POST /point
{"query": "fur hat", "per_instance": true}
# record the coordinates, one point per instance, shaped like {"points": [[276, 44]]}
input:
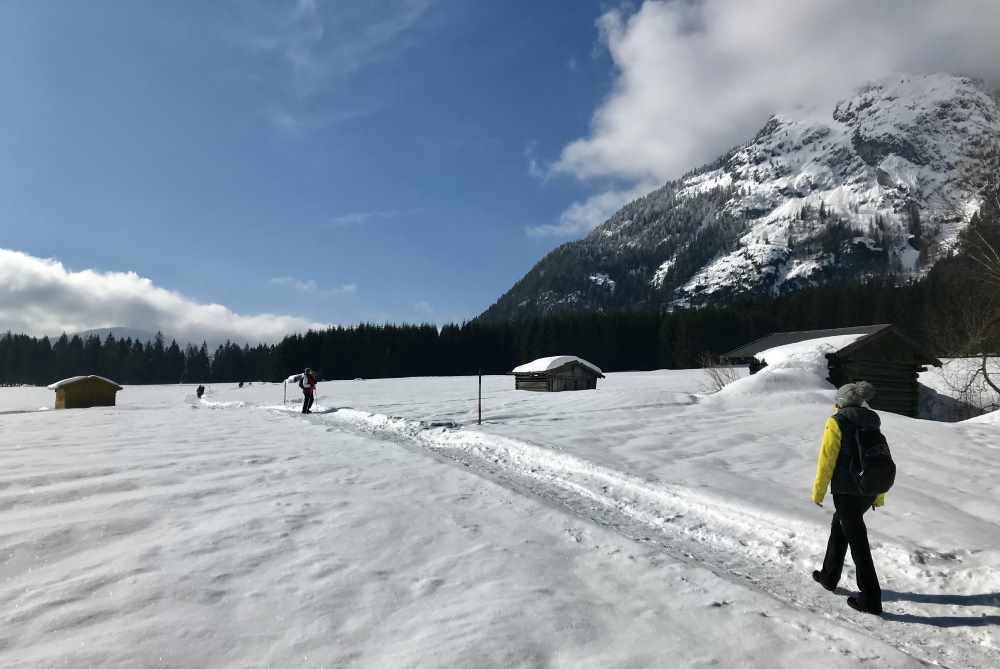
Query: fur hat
{"points": [[855, 394]]}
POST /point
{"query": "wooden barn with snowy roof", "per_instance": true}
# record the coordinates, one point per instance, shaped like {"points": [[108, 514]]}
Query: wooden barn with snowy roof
{"points": [[82, 392], [879, 354], [557, 373]]}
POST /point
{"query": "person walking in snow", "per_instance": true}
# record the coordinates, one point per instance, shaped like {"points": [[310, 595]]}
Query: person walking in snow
{"points": [[307, 382], [848, 527]]}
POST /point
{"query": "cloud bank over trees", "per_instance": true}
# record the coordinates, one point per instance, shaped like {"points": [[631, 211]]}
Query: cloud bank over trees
{"points": [[42, 297]]}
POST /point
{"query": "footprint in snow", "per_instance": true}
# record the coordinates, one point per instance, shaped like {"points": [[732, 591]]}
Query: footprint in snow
{"points": [[427, 586], [925, 556]]}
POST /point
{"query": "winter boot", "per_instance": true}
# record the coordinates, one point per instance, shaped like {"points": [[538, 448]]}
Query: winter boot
{"points": [[856, 604], [818, 577]]}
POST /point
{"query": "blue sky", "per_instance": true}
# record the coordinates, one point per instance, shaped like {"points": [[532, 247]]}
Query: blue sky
{"points": [[264, 166], [337, 161]]}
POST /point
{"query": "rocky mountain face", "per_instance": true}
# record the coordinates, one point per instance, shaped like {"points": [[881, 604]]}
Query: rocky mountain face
{"points": [[883, 184]]}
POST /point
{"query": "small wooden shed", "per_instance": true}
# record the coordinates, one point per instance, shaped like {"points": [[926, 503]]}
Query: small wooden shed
{"points": [[81, 392], [881, 355], [557, 373]]}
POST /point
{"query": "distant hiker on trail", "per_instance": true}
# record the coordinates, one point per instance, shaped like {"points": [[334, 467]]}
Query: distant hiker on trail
{"points": [[307, 382], [200, 391], [854, 461]]}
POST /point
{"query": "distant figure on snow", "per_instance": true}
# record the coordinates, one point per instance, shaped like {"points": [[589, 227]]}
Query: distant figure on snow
{"points": [[308, 385], [855, 462], [200, 391]]}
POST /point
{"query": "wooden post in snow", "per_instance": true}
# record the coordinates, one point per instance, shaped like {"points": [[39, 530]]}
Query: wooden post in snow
{"points": [[480, 397]]}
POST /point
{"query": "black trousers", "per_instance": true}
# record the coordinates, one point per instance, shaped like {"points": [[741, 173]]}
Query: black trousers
{"points": [[307, 400], [848, 529]]}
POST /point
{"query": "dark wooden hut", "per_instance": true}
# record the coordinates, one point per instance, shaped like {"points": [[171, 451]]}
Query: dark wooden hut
{"points": [[882, 355], [81, 392], [557, 373]]}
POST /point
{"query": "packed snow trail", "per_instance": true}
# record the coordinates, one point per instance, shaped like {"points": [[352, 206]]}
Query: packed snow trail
{"points": [[645, 464], [772, 554], [172, 533], [935, 544]]}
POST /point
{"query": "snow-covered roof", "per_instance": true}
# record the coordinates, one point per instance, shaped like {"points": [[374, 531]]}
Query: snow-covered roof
{"points": [[65, 382], [547, 364], [808, 348], [776, 339]]}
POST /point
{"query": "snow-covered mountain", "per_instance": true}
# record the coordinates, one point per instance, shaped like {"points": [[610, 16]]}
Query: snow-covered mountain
{"points": [[879, 184]]}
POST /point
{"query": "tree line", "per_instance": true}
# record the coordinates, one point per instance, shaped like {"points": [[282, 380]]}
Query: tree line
{"points": [[955, 309], [614, 341], [36, 361]]}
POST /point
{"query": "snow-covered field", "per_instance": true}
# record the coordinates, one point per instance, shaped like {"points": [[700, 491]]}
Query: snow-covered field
{"points": [[642, 524]]}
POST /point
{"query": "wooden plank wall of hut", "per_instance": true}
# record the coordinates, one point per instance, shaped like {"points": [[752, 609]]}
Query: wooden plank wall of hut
{"points": [[895, 382], [538, 385], [560, 383], [574, 376]]}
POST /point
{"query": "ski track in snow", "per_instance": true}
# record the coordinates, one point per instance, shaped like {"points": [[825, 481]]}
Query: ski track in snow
{"points": [[721, 526], [175, 533], [768, 553]]}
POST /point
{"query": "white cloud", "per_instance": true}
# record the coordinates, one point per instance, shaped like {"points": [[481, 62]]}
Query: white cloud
{"points": [[298, 123], [698, 76], [310, 287], [535, 168], [295, 121], [428, 313], [287, 122], [318, 47], [582, 217], [41, 297], [362, 217]]}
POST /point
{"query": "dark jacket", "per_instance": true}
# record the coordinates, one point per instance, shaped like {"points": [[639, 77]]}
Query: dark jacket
{"points": [[849, 419], [834, 466]]}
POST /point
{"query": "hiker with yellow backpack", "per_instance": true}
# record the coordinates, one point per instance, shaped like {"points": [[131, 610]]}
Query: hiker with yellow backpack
{"points": [[854, 461]]}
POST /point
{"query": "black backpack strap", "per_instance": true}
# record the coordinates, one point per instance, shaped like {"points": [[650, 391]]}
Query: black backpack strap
{"points": [[855, 429], [842, 420], [857, 443]]}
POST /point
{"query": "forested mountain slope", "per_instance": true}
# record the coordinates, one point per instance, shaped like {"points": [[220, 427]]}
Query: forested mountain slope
{"points": [[881, 184]]}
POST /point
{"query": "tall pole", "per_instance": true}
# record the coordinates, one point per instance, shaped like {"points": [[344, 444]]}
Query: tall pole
{"points": [[480, 397]]}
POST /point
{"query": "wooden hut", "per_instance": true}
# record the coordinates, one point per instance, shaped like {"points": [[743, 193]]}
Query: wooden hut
{"points": [[81, 392], [557, 373], [881, 355]]}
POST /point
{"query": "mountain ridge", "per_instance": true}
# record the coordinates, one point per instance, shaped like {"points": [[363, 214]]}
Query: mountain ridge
{"points": [[879, 185]]}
